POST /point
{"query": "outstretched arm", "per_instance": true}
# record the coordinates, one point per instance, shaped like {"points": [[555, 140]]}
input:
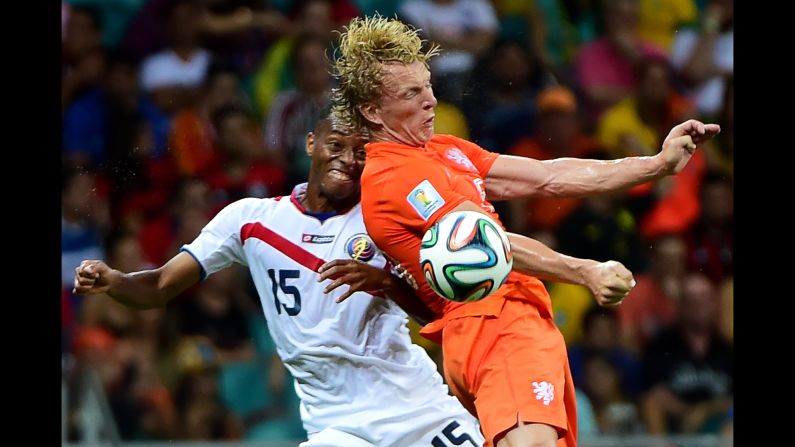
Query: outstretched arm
{"points": [[511, 177], [609, 282], [362, 277], [141, 290]]}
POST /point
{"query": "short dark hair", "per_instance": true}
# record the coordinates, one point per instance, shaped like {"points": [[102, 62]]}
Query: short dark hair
{"points": [[302, 41], [92, 12], [595, 312], [225, 112]]}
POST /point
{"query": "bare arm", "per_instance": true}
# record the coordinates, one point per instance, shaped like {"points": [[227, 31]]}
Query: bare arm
{"points": [[511, 177], [609, 282], [362, 277], [140, 290]]}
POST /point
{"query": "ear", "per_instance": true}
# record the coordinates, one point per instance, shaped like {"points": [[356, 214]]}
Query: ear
{"points": [[310, 144], [371, 113]]}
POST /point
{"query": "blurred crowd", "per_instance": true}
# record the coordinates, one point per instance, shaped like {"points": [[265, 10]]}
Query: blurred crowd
{"points": [[172, 109]]}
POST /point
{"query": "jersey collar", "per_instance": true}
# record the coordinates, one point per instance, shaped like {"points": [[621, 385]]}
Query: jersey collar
{"points": [[300, 190]]}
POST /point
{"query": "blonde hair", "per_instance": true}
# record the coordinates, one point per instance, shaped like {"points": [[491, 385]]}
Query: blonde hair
{"points": [[365, 46]]}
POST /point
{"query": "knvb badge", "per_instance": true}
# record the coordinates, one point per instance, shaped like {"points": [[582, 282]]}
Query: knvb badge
{"points": [[424, 199]]}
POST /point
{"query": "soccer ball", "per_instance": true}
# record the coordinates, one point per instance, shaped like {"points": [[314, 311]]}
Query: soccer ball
{"points": [[465, 256]]}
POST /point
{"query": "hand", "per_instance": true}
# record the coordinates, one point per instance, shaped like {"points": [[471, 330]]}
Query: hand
{"points": [[92, 277], [682, 141], [609, 282], [360, 276]]}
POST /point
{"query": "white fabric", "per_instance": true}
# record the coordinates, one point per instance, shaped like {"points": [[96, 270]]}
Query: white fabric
{"points": [[166, 69], [460, 17], [355, 368], [709, 94]]}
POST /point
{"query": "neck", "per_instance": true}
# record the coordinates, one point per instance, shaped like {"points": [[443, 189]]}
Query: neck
{"points": [[698, 340], [184, 51], [314, 201], [386, 135]]}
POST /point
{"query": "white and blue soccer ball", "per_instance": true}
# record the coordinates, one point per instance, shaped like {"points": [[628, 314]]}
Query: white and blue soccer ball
{"points": [[465, 256]]}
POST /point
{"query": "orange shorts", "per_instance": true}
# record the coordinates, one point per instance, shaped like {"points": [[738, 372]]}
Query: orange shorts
{"points": [[511, 368]]}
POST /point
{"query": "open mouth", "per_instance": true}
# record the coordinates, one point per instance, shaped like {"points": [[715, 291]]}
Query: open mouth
{"points": [[341, 176], [429, 120]]}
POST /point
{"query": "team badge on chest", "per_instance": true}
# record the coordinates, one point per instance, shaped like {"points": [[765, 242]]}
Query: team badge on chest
{"points": [[360, 247]]}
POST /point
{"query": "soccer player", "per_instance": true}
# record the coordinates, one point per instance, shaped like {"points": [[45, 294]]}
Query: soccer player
{"points": [[360, 379], [503, 356]]}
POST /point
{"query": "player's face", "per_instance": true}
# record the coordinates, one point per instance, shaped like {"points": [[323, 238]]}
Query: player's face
{"points": [[337, 161], [405, 109]]}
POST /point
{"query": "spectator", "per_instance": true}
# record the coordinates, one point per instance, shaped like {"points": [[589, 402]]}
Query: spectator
{"points": [[173, 75], [660, 21], [503, 88], [711, 240], [466, 30], [319, 18], [615, 414], [688, 367], [295, 111], [602, 337], [558, 134], [246, 170], [651, 305], [192, 136], [705, 57], [606, 67]]}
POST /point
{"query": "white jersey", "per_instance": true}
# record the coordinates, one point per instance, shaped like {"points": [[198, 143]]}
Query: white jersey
{"points": [[355, 368]]}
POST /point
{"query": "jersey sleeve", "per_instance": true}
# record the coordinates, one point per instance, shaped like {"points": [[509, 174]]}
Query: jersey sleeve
{"points": [[481, 158], [417, 197], [218, 245]]}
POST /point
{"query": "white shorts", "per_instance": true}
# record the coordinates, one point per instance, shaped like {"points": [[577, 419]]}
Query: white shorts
{"points": [[455, 430]]}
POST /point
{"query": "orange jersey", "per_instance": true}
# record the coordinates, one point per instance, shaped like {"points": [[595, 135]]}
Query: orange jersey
{"points": [[406, 189]]}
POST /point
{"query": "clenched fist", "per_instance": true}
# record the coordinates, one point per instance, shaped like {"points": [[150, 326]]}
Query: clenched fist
{"points": [[609, 282], [92, 277]]}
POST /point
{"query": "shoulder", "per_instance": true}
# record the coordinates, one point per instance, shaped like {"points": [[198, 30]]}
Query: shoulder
{"points": [[441, 138], [443, 142], [250, 206]]}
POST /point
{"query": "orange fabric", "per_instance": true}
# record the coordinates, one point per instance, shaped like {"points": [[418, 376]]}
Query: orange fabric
{"points": [[491, 365], [494, 349], [191, 142], [679, 208], [392, 173]]}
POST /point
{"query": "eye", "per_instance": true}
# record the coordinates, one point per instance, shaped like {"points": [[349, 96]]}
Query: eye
{"points": [[412, 92]]}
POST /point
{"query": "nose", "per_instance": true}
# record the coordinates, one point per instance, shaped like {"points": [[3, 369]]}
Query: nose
{"points": [[347, 157], [430, 100]]}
